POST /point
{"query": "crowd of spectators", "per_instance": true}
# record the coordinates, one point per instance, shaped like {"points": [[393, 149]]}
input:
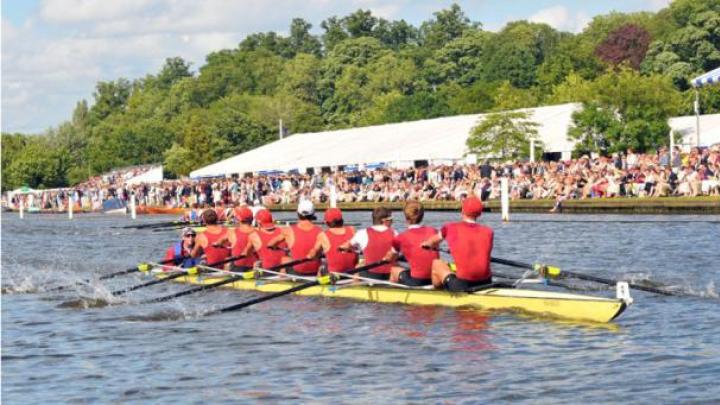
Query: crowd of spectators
{"points": [[627, 174]]}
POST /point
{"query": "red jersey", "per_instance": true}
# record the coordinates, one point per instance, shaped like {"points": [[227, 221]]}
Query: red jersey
{"points": [[270, 257], [304, 240], [215, 254], [379, 244], [409, 243], [340, 261], [242, 239], [470, 245]]}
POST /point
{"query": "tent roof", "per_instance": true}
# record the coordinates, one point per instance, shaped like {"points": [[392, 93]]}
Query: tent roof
{"points": [[710, 77], [431, 139]]}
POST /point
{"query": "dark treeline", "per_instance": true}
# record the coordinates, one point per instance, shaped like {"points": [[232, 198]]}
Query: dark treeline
{"points": [[630, 71]]}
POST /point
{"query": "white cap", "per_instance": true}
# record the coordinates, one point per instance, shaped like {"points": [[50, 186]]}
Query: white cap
{"points": [[306, 208]]}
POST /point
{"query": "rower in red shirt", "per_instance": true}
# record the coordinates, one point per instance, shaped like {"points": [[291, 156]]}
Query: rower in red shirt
{"points": [[263, 240], [409, 243], [301, 238], [239, 239], [210, 242], [470, 246], [330, 241], [376, 242]]}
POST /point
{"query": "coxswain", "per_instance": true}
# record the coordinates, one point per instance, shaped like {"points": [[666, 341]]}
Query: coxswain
{"points": [[376, 243], [470, 247], [181, 253], [239, 239], [269, 255], [410, 244], [329, 242], [211, 242]]}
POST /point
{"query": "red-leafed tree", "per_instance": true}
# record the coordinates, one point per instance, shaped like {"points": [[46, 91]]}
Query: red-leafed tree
{"points": [[626, 44]]}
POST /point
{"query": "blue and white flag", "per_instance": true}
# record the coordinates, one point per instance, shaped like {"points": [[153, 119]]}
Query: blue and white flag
{"points": [[711, 77]]}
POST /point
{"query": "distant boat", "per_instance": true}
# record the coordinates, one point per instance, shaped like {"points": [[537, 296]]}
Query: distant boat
{"points": [[114, 206]]}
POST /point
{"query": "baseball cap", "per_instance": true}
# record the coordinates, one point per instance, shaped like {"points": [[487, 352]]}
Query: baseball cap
{"points": [[332, 215], [243, 214], [306, 208], [188, 231], [472, 207], [264, 217]]}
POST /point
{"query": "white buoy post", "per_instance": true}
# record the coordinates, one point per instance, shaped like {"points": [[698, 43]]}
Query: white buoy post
{"points": [[133, 210], [22, 213], [70, 206], [333, 195], [504, 199]]}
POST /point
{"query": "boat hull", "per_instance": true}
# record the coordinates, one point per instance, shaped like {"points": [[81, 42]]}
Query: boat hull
{"points": [[161, 210], [539, 303]]}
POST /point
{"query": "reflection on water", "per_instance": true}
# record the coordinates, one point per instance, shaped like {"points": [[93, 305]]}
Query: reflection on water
{"points": [[306, 349]]}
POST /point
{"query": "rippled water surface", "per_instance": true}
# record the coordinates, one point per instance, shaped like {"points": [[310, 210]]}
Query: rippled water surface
{"points": [[301, 349]]}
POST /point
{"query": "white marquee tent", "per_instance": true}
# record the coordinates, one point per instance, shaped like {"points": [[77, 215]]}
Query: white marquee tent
{"points": [[436, 140], [685, 132]]}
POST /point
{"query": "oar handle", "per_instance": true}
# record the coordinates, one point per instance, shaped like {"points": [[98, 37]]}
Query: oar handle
{"points": [[228, 280], [320, 280]]}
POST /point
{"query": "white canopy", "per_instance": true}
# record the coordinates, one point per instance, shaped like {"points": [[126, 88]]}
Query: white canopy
{"points": [[154, 175], [711, 77], [435, 140], [684, 127]]}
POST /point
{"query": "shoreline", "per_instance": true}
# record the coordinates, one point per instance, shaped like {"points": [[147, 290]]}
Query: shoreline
{"points": [[647, 206]]}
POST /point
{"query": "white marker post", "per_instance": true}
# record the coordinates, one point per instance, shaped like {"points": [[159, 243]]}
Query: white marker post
{"points": [[70, 206], [133, 211], [333, 194], [504, 200], [22, 213]]}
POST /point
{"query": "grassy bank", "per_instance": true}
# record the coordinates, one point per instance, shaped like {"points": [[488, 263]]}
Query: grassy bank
{"points": [[666, 205]]}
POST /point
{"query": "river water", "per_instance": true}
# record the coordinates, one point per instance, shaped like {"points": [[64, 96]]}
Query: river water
{"points": [[303, 349]]}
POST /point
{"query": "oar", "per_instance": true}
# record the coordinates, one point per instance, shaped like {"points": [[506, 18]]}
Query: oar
{"points": [[189, 271], [556, 272], [156, 224], [241, 276], [320, 281], [140, 267], [553, 271]]}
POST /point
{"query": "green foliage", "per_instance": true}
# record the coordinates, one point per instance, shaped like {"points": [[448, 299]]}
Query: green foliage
{"points": [[625, 109], [693, 47], [447, 25], [504, 136]]}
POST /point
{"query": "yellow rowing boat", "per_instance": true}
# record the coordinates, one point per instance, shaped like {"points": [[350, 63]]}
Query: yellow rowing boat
{"points": [[536, 302]]}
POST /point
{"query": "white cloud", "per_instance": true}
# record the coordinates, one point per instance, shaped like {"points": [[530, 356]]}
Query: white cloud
{"points": [[559, 17]]}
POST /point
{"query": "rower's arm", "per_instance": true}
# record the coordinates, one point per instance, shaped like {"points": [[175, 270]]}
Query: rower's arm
{"points": [[433, 241], [279, 239], [198, 249], [319, 246], [255, 244]]}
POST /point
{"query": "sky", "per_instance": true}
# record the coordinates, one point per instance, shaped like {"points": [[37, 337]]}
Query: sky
{"points": [[55, 51]]}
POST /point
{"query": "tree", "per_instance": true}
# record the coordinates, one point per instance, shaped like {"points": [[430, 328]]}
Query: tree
{"points": [[691, 49], [174, 70], [505, 135], [626, 109], [626, 44], [110, 97], [178, 161], [447, 25], [516, 52], [301, 41], [334, 33]]}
